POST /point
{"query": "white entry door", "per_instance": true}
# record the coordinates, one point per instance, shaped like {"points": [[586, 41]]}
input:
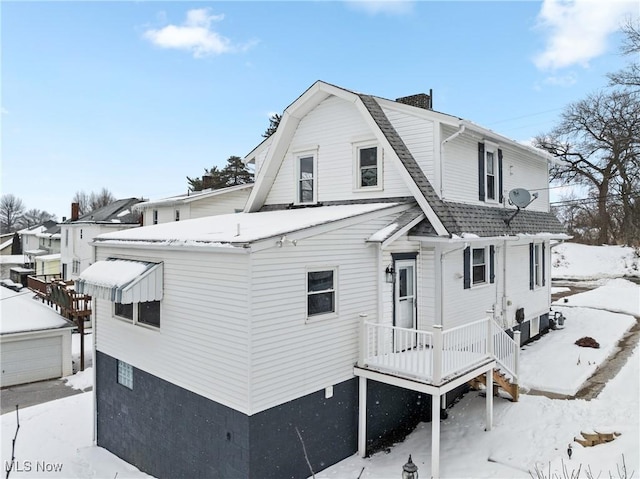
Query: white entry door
{"points": [[405, 302]]}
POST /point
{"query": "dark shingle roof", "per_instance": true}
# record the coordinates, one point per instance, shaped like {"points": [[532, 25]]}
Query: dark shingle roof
{"points": [[112, 213], [491, 221], [459, 218], [402, 220], [411, 165]]}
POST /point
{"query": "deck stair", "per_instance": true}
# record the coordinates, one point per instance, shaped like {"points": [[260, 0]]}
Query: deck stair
{"points": [[501, 380]]}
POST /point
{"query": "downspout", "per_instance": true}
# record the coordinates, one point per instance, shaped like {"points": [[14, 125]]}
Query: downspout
{"points": [[442, 143], [94, 328]]}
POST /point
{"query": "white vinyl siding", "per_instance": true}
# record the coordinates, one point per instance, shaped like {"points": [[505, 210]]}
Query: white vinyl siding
{"points": [[466, 305], [520, 169], [536, 302], [292, 357], [203, 341], [418, 134], [220, 205], [333, 127]]}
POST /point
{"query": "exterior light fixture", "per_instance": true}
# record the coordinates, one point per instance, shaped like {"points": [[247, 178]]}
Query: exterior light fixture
{"points": [[409, 470], [389, 274]]}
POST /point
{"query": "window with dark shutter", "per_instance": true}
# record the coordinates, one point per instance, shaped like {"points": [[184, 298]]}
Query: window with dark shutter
{"points": [[466, 259], [501, 196], [492, 256], [531, 266], [481, 179]]}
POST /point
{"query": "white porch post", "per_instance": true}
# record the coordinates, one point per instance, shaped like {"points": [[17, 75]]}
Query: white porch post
{"points": [[437, 354], [516, 338], [362, 417], [489, 402], [435, 436]]}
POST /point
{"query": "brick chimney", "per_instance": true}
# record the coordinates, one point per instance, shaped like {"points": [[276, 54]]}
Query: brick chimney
{"points": [[75, 211], [421, 100], [207, 182]]}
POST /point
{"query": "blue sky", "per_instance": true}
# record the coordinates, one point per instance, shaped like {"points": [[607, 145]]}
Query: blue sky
{"points": [[135, 96]]}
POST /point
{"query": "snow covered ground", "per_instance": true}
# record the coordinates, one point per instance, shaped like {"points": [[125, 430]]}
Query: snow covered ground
{"points": [[585, 262], [533, 432]]}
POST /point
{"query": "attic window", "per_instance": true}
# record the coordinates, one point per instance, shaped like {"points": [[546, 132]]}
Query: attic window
{"points": [[306, 165], [367, 166], [489, 172]]}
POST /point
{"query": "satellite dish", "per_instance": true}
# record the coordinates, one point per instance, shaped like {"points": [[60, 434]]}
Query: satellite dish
{"points": [[519, 197]]}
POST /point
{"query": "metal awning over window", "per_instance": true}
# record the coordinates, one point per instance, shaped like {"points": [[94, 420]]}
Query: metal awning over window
{"points": [[122, 281]]}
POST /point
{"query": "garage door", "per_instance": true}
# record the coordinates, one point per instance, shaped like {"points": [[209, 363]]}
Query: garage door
{"points": [[29, 360]]}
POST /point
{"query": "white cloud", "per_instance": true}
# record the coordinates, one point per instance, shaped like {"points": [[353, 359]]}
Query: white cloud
{"points": [[195, 35], [561, 80], [577, 30], [373, 7]]}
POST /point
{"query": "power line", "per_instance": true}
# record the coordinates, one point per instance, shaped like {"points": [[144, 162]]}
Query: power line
{"points": [[594, 199]]}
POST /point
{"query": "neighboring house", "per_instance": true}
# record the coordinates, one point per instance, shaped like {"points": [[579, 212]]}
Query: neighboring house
{"points": [[373, 273], [6, 241], [9, 262], [78, 232], [42, 241], [195, 205], [35, 341]]}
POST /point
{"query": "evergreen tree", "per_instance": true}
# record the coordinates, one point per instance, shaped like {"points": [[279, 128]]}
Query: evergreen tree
{"points": [[234, 173], [274, 121]]}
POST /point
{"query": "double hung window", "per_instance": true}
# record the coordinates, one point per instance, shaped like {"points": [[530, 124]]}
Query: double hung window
{"points": [[306, 179], [321, 292]]}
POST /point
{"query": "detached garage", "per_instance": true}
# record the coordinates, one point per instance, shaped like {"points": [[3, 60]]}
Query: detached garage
{"points": [[35, 341]]}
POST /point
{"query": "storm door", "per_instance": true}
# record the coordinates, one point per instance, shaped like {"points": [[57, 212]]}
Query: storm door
{"points": [[405, 303]]}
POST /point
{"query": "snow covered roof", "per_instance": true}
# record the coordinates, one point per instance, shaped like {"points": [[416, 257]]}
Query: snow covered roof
{"points": [[239, 229], [12, 259], [122, 281], [119, 210], [49, 257], [21, 313], [190, 197]]}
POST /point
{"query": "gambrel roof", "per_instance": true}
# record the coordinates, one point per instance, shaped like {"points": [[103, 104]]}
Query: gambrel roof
{"points": [[444, 218]]}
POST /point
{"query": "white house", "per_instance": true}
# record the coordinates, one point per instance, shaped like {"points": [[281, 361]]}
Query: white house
{"points": [[76, 233], [377, 268], [198, 204]]}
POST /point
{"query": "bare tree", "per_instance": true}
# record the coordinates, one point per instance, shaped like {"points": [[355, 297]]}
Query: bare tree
{"points": [[92, 201], [100, 199], [82, 198], [35, 217], [11, 213], [598, 141], [630, 75]]}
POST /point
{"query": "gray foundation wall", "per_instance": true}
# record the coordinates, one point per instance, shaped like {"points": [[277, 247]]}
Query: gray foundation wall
{"points": [[170, 432]]}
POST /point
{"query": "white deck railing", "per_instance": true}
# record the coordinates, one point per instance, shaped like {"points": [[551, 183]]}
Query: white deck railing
{"points": [[437, 355]]}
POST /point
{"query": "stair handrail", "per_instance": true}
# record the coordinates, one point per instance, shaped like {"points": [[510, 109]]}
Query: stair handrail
{"points": [[506, 350]]}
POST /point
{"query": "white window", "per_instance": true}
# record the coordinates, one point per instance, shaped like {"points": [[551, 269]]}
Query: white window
{"points": [[139, 313], [368, 166], [321, 292], [306, 179], [537, 265], [478, 266], [66, 237], [155, 217], [125, 374], [75, 266], [177, 215], [491, 183]]}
